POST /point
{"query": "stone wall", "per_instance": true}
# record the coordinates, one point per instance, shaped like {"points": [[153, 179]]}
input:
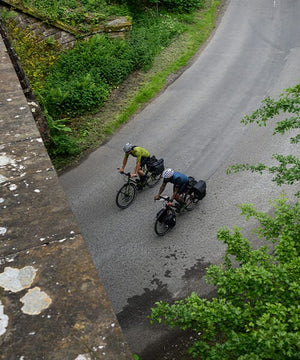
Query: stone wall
{"points": [[64, 34], [52, 303]]}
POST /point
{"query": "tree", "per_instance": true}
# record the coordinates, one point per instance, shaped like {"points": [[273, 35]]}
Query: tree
{"points": [[288, 170], [257, 312]]}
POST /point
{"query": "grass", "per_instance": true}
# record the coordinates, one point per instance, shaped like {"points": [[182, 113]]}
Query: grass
{"points": [[94, 129]]}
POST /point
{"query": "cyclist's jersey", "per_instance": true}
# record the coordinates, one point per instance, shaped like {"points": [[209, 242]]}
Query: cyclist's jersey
{"points": [[179, 179], [139, 152]]}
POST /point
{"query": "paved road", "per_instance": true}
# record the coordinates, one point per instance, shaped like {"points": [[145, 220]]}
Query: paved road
{"points": [[195, 126]]}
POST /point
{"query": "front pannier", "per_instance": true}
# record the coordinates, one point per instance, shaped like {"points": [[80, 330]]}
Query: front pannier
{"points": [[170, 220], [156, 166], [200, 189]]}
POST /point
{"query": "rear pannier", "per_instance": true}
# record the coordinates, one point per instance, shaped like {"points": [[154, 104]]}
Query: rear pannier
{"points": [[192, 182], [156, 166], [200, 189]]}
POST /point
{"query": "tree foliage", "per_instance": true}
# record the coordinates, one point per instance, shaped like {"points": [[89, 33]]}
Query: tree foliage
{"points": [[181, 6], [256, 314], [288, 169]]}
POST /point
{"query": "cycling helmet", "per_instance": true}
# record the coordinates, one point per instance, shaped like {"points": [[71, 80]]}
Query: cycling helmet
{"points": [[168, 173], [127, 147]]}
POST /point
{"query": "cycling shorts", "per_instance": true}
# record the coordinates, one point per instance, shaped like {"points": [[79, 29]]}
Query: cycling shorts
{"points": [[144, 160]]}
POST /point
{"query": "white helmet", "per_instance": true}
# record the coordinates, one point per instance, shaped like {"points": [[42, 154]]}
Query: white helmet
{"points": [[168, 173], [127, 147]]}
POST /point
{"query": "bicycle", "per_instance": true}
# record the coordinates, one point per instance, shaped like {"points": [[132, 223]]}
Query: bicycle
{"points": [[166, 217], [127, 193]]}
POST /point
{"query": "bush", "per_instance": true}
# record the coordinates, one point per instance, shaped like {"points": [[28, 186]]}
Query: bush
{"points": [[256, 314], [83, 77], [182, 6], [151, 34], [75, 97], [61, 143]]}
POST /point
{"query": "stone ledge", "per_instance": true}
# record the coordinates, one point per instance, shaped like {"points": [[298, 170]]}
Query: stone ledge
{"points": [[52, 303]]}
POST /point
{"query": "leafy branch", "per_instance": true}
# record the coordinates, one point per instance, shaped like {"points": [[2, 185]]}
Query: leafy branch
{"points": [[288, 169]]}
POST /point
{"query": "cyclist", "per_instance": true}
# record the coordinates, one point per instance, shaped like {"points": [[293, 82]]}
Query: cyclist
{"points": [[180, 182], [142, 156]]}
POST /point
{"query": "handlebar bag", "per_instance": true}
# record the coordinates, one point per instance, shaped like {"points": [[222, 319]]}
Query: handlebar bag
{"points": [[200, 189]]}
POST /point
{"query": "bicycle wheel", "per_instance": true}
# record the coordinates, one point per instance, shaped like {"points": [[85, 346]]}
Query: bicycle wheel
{"points": [[160, 226], [153, 179], [190, 201], [126, 195]]}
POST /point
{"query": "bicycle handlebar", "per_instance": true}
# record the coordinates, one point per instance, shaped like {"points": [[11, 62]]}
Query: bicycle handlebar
{"points": [[124, 173], [166, 198]]}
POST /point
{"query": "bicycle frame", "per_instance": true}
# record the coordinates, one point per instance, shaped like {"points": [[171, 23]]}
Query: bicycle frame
{"points": [[134, 181], [127, 192]]}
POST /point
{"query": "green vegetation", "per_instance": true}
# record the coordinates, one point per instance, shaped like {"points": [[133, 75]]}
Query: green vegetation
{"points": [[75, 87], [83, 77], [78, 15], [256, 314], [37, 55], [288, 170]]}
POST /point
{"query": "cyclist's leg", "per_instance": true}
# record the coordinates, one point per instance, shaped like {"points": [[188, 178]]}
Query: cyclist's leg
{"points": [[178, 197], [180, 193], [141, 173]]}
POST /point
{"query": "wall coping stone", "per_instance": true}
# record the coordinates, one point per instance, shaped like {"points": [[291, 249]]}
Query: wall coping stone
{"points": [[53, 305], [120, 25]]}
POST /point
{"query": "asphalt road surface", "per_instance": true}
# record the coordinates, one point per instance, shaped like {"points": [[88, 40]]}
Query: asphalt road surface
{"points": [[195, 126]]}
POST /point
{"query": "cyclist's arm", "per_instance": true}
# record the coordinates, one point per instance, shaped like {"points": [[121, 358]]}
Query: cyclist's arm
{"points": [[174, 193], [124, 163], [137, 168], [161, 189]]}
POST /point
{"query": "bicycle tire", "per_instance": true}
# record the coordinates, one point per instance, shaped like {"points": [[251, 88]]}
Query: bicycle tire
{"points": [[153, 179], [126, 196], [160, 227], [190, 201]]}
